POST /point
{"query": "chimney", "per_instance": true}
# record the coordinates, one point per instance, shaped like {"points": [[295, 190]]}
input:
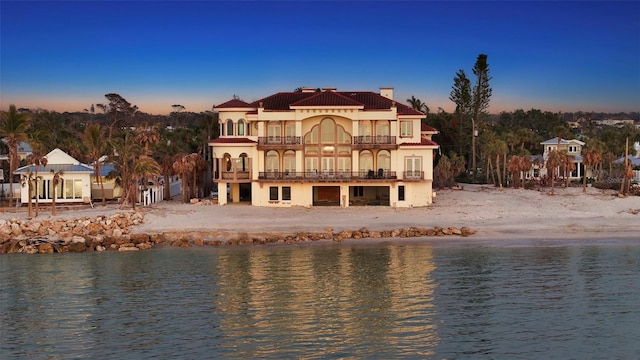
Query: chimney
{"points": [[329, 89], [308, 90], [387, 92]]}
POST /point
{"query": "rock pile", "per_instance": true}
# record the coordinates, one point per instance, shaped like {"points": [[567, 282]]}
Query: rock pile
{"points": [[113, 233], [72, 235]]}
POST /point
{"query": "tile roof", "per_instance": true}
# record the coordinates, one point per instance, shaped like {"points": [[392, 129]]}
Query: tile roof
{"points": [[235, 103], [231, 140], [327, 98], [427, 128], [423, 142], [283, 101]]}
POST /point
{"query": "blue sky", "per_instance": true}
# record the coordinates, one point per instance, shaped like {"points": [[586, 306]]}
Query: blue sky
{"points": [[556, 56]]}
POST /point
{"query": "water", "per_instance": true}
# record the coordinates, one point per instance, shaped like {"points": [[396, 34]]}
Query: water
{"points": [[427, 301]]}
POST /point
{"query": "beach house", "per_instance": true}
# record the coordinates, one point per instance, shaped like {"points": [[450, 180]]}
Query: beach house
{"points": [[74, 187], [323, 147], [573, 149]]}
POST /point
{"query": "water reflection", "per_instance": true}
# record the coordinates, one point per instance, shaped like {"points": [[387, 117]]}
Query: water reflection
{"points": [[324, 301]]}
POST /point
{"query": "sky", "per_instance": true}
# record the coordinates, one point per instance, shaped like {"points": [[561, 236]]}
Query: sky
{"points": [[550, 55]]}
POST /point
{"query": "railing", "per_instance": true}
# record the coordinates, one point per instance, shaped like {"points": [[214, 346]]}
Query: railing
{"points": [[374, 140], [235, 175], [413, 175], [279, 140], [314, 175]]}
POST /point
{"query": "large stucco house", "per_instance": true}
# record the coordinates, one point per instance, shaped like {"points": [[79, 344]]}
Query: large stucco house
{"points": [[329, 147]]}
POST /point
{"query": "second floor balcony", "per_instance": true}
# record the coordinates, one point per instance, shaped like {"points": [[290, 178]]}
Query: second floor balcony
{"points": [[279, 142], [374, 142], [328, 176]]}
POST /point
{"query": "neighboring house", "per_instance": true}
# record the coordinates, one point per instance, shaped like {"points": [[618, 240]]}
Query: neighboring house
{"points": [[313, 148], [111, 189], [75, 186], [634, 161], [573, 149], [24, 150]]}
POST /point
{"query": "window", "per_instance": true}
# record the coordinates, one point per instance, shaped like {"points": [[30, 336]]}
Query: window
{"points": [[406, 128], [72, 189], [365, 128], [366, 161], [413, 167], [274, 132], [573, 148], [240, 127], [229, 127], [272, 161], [401, 193], [286, 193], [273, 193], [358, 191], [384, 160], [382, 128], [290, 161]]}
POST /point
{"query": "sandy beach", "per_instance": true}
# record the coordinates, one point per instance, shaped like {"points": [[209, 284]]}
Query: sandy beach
{"points": [[495, 214]]}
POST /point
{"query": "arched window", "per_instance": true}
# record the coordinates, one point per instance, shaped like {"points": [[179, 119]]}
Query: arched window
{"points": [[227, 162], [384, 160], [366, 161], [327, 148], [240, 127], [272, 161], [289, 161], [243, 162], [229, 127]]}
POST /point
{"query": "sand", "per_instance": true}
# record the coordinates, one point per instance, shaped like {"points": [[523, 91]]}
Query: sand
{"points": [[495, 214]]}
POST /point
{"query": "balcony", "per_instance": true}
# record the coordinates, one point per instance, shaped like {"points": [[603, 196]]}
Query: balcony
{"points": [[279, 142], [413, 175], [375, 142], [327, 176], [232, 169]]}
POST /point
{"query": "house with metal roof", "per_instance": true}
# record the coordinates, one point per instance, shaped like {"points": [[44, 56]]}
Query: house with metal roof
{"points": [[573, 149], [75, 186], [329, 147]]}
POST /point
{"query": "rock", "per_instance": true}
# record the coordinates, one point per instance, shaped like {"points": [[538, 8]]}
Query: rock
{"points": [[78, 239], [100, 248], [45, 248], [128, 248], [143, 246], [16, 229], [76, 247]]}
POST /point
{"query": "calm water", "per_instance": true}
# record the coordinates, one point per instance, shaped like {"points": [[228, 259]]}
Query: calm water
{"points": [[427, 301]]}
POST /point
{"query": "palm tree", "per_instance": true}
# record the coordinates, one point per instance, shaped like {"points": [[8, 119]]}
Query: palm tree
{"points": [[554, 160], [13, 128], [37, 158], [96, 144], [126, 151], [146, 136], [417, 104], [143, 168], [57, 177], [501, 150], [591, 158], [27, 180]]}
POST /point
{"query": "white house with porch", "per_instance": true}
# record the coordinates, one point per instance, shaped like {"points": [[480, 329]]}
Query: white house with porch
{"points": [[75, 186]]}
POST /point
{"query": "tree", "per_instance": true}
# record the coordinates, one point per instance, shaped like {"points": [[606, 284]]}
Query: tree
{"points": [[144, 168], [591, 158], [14, 128], [37, 159], [27, 180], [96, 145], [461, 96], [119, 109], [480, 100], [183, 167], [126, 151], [417, 104], [146, 135], [554, 160], [57, 178]]}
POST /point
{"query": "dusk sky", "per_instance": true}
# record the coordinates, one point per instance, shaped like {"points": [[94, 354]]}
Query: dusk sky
{"points": [[555, 56]]}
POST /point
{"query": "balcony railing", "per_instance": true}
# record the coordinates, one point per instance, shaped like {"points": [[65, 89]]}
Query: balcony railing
{"points": [[314, 175], [374, 140], [413, 175], [279, 140]]}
